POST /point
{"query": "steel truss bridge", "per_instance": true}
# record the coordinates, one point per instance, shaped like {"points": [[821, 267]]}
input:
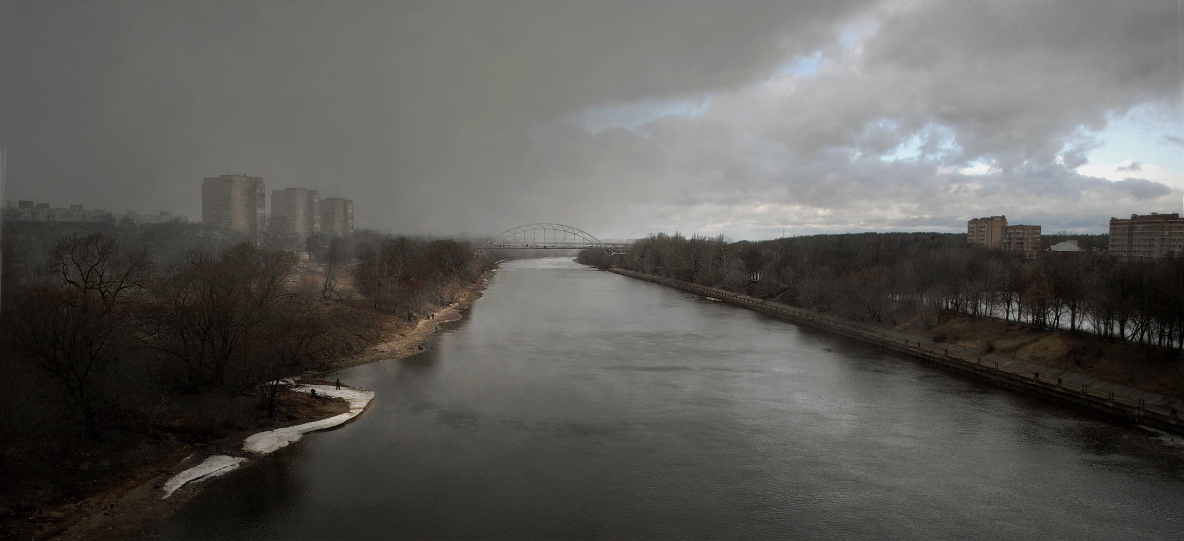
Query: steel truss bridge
{"points": [[549, 237]]}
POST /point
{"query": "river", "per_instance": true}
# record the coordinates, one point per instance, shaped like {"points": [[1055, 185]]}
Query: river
{"points": [[576, 404]]}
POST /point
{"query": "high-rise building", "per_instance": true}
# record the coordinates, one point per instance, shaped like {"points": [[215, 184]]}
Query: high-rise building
{"points": [[337, 216], [1150, 236], [300, 207], [237, 202], [993, 232], [1024, 239], [986, 231]]}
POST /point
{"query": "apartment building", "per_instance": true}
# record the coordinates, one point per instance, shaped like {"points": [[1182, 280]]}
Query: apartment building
{"points": [[993, 232], [337, 216], [237, 202], [1024, 239], [301, 207], [1149, 236], [986, 231]]}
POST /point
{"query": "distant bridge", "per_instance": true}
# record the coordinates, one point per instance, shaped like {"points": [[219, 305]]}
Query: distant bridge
{"points": [[549, 237]]}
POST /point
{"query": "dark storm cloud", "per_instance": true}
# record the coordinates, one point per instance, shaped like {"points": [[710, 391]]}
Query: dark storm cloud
{"points": [[448, 117], [412, 109], [1141, 188], [996, 100]]}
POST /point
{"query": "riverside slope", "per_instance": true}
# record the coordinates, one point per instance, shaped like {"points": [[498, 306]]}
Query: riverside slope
{"points": [[1119, 401]]}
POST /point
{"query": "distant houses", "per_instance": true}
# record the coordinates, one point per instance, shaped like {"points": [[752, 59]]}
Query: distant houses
{"points": [[32, 211], [1141, 237], [1067, 248], [228, 202]]}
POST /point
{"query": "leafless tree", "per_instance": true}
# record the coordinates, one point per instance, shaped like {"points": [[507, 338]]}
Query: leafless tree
{"points": [[201, 315], [92, 265]]}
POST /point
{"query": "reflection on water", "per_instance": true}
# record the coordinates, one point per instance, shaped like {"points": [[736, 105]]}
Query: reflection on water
{"points": [[581, 404]]}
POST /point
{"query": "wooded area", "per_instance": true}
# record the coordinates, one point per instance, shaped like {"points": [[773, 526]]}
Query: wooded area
{"points": [[108, 343], [890, 277]]}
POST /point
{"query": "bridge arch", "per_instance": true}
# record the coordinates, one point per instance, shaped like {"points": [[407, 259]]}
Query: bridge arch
{"points": [[547, 236]]}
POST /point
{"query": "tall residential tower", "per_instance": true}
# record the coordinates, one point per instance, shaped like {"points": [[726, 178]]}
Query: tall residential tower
{"points": [[236, 202], [300, 207], [337, 216]]}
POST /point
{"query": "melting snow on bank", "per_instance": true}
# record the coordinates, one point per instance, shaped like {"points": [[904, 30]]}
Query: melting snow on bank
{"points": [[267, 442]]}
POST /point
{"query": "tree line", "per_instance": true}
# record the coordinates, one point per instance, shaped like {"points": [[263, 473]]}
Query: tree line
{"points": [[99, 335], [890, 277]]}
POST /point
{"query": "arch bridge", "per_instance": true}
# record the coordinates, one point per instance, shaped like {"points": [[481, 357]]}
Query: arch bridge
{"points": [[546, 236]]}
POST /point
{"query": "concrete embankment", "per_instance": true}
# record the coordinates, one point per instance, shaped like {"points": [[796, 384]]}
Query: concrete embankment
{"points": [[1118, 401]]}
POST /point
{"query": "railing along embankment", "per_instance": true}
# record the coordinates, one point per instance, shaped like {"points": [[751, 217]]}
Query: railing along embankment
{"points": [[1118, 401]]}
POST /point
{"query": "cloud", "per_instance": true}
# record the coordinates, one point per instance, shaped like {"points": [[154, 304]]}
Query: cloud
{"points": [[1129, 167], [620, 118], [1141, 188]]}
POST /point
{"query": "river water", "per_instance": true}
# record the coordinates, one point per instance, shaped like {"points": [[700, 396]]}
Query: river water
{"points": [[576, 404]]}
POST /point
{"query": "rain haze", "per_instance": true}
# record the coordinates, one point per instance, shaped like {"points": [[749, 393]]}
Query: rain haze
{"points": [[748, 119], [591, 269]]}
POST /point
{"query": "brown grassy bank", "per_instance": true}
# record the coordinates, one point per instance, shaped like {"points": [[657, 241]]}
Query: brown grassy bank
{"points": [[1157, 370]]}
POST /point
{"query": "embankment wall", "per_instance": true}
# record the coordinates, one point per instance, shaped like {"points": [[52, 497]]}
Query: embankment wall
{"points": [[1153, 413]]}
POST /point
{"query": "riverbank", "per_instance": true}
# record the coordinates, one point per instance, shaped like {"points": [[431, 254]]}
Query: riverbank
{"points": [[1067, 387], [141, 510], [398, 342], [131, 506]]}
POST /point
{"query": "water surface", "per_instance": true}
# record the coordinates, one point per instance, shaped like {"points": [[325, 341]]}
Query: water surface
{"points": [[577, 404]]}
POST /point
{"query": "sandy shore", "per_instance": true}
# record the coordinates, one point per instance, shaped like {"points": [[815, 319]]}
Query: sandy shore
{"points": [[137, 510], [406, 343]]}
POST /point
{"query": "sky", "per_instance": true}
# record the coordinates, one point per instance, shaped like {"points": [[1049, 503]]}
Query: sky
{"points": [[748, 119]]}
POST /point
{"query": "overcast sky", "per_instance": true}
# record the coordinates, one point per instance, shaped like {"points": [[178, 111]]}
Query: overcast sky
{"points": [[620, 118]]}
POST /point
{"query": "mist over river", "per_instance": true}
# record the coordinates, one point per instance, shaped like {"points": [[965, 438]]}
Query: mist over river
{"points": [[577, 404]]}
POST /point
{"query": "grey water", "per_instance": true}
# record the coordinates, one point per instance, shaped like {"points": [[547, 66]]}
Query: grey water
{"points": [[577, 404]]}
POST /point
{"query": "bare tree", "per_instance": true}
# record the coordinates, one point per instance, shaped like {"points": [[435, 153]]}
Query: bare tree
{"points": [[283, 344], [92, 265], [69, 335], [201, 316], [335, 255], [67, 326]]}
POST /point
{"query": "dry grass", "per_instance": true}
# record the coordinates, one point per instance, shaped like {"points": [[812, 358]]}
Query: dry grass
{"points": [[1154, 369]]}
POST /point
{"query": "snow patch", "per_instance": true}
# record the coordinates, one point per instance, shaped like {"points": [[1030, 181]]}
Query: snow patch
{"points": [[211, 467], [267, 442]]}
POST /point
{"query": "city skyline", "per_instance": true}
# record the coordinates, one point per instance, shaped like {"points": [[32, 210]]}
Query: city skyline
{"points": [[744, 119]]}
